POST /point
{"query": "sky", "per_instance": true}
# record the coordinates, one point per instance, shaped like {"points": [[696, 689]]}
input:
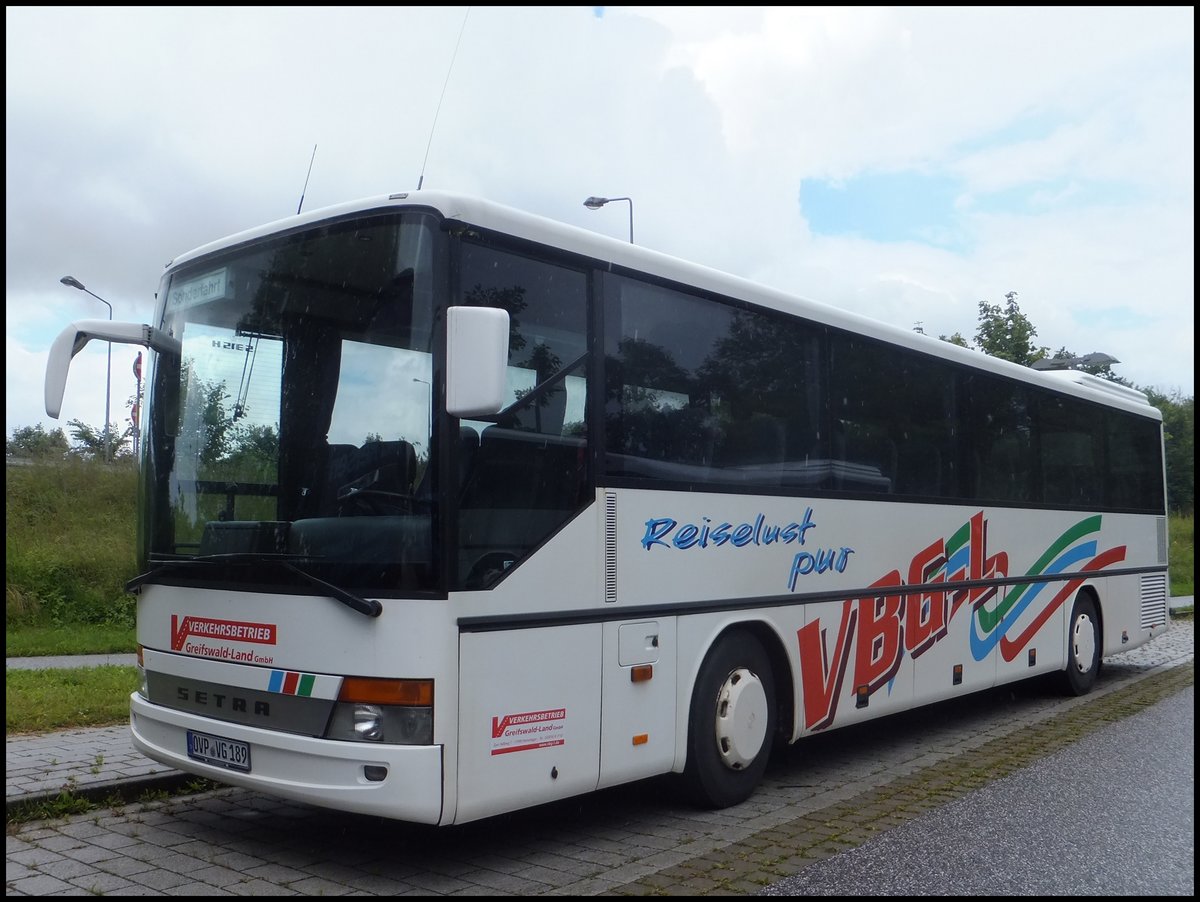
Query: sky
{"points": [[903, 163]]}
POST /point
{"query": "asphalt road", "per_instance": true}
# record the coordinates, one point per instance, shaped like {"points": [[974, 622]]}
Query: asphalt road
{"points": [[1110, 815]]}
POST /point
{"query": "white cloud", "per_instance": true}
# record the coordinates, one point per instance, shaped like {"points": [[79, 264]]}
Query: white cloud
{"points": [[133, 135]]}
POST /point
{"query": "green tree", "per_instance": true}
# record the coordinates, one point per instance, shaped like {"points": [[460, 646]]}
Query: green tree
{"points": [[1006, 332], [89, 441], [253, 453], [956, 339], [215, 420], [1179, 430], [35, 442]]}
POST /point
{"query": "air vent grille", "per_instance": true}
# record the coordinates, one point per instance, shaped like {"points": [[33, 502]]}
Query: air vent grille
{"points": [[1154, 600], [610, 547]]}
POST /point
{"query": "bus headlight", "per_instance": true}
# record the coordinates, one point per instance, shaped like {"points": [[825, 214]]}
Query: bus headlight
{"points": [[381, 723], [368, 722], [369, 709]]}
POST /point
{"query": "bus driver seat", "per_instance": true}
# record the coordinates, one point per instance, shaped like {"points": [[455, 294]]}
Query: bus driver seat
{"points": [[386, 474]]}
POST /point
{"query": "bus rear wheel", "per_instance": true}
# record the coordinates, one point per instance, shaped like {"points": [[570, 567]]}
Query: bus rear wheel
{"points": [[731, 723], [1083, 647]]}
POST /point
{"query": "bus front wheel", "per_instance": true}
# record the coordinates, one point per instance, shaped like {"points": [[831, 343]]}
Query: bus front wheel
{"points": [[1083, 647], [731, 723]]}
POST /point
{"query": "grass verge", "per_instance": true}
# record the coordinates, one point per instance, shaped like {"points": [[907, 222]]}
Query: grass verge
{"points": [[80, 639], [1182, 554], [40, 700]]}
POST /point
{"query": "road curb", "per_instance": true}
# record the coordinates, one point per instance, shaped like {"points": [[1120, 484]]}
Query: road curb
{"points": [[103, 792]]}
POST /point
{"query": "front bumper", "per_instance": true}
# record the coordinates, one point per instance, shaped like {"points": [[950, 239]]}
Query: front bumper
{"points": [[322, 772]]}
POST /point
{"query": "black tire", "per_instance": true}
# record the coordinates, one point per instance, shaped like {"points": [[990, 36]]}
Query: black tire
{"points": [[1083, 647], [731, 723]]}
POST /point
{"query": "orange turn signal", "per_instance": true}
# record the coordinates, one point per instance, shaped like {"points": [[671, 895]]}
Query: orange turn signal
{"points": [[376, 691], [640, 673]]}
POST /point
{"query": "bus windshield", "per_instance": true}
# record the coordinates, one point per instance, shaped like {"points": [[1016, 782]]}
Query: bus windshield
{"points": [[296, 423]]}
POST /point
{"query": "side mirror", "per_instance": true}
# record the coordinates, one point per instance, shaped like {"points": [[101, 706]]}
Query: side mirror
{"points": [[476, 360], [74, 339]]}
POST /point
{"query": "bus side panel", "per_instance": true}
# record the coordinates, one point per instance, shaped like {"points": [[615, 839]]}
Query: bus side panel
{"points": [[639, 709], [1033, 642], [529, 721], [1126, 619], [853, 666], [944, 658]]}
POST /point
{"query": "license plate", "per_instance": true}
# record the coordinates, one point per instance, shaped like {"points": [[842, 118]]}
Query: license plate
{"points": [[219, 750]]}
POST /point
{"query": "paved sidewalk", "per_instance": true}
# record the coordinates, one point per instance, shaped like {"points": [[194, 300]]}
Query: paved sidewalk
{"points": [[51, 662], [93, 763], [99, 762]]}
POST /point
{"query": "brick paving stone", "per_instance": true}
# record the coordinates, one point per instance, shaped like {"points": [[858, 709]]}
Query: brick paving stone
{"points": [[275, 873], [195, 889], [318, 886], [157, 878], [259, 888], [14, 872], [100, 884], [90, 854], [34, 857], [125, 866], [67, 869], [39, 885]]}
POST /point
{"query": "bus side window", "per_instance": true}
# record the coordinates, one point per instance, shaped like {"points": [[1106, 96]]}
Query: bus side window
{"points": [[919, 469], [756, 446], [524, 472], [873, 456], [1002, 473]]}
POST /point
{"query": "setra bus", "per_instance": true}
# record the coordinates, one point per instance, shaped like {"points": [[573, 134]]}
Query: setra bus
{"points": [[448, 510]]}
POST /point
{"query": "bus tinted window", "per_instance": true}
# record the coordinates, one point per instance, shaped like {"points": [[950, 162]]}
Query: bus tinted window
{"points": [[767, 371], [1001, 436], [703, 392], [894, 416], [1134, 477], [1071, 436], [524, 471]]}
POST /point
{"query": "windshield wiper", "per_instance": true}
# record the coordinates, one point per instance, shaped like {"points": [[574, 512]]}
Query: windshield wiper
{"points": [[367, 606]]}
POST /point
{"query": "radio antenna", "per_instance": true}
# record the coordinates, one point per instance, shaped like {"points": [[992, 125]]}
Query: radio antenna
{"points": [[454, 56], [305, 188]]}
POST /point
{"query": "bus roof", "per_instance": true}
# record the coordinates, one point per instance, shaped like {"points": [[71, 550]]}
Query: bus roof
{"points": [[621, 254]]}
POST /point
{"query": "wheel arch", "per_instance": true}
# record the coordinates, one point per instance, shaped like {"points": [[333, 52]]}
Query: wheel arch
{"points": [[784, 678], [781, 670]]}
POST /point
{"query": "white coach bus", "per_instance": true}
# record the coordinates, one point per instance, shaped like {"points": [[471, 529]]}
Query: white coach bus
{"points": [[447, 510]]}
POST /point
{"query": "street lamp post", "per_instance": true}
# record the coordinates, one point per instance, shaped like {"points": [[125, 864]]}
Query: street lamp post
{"points": [[73, 282], [429, 437], [595, 203]]}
